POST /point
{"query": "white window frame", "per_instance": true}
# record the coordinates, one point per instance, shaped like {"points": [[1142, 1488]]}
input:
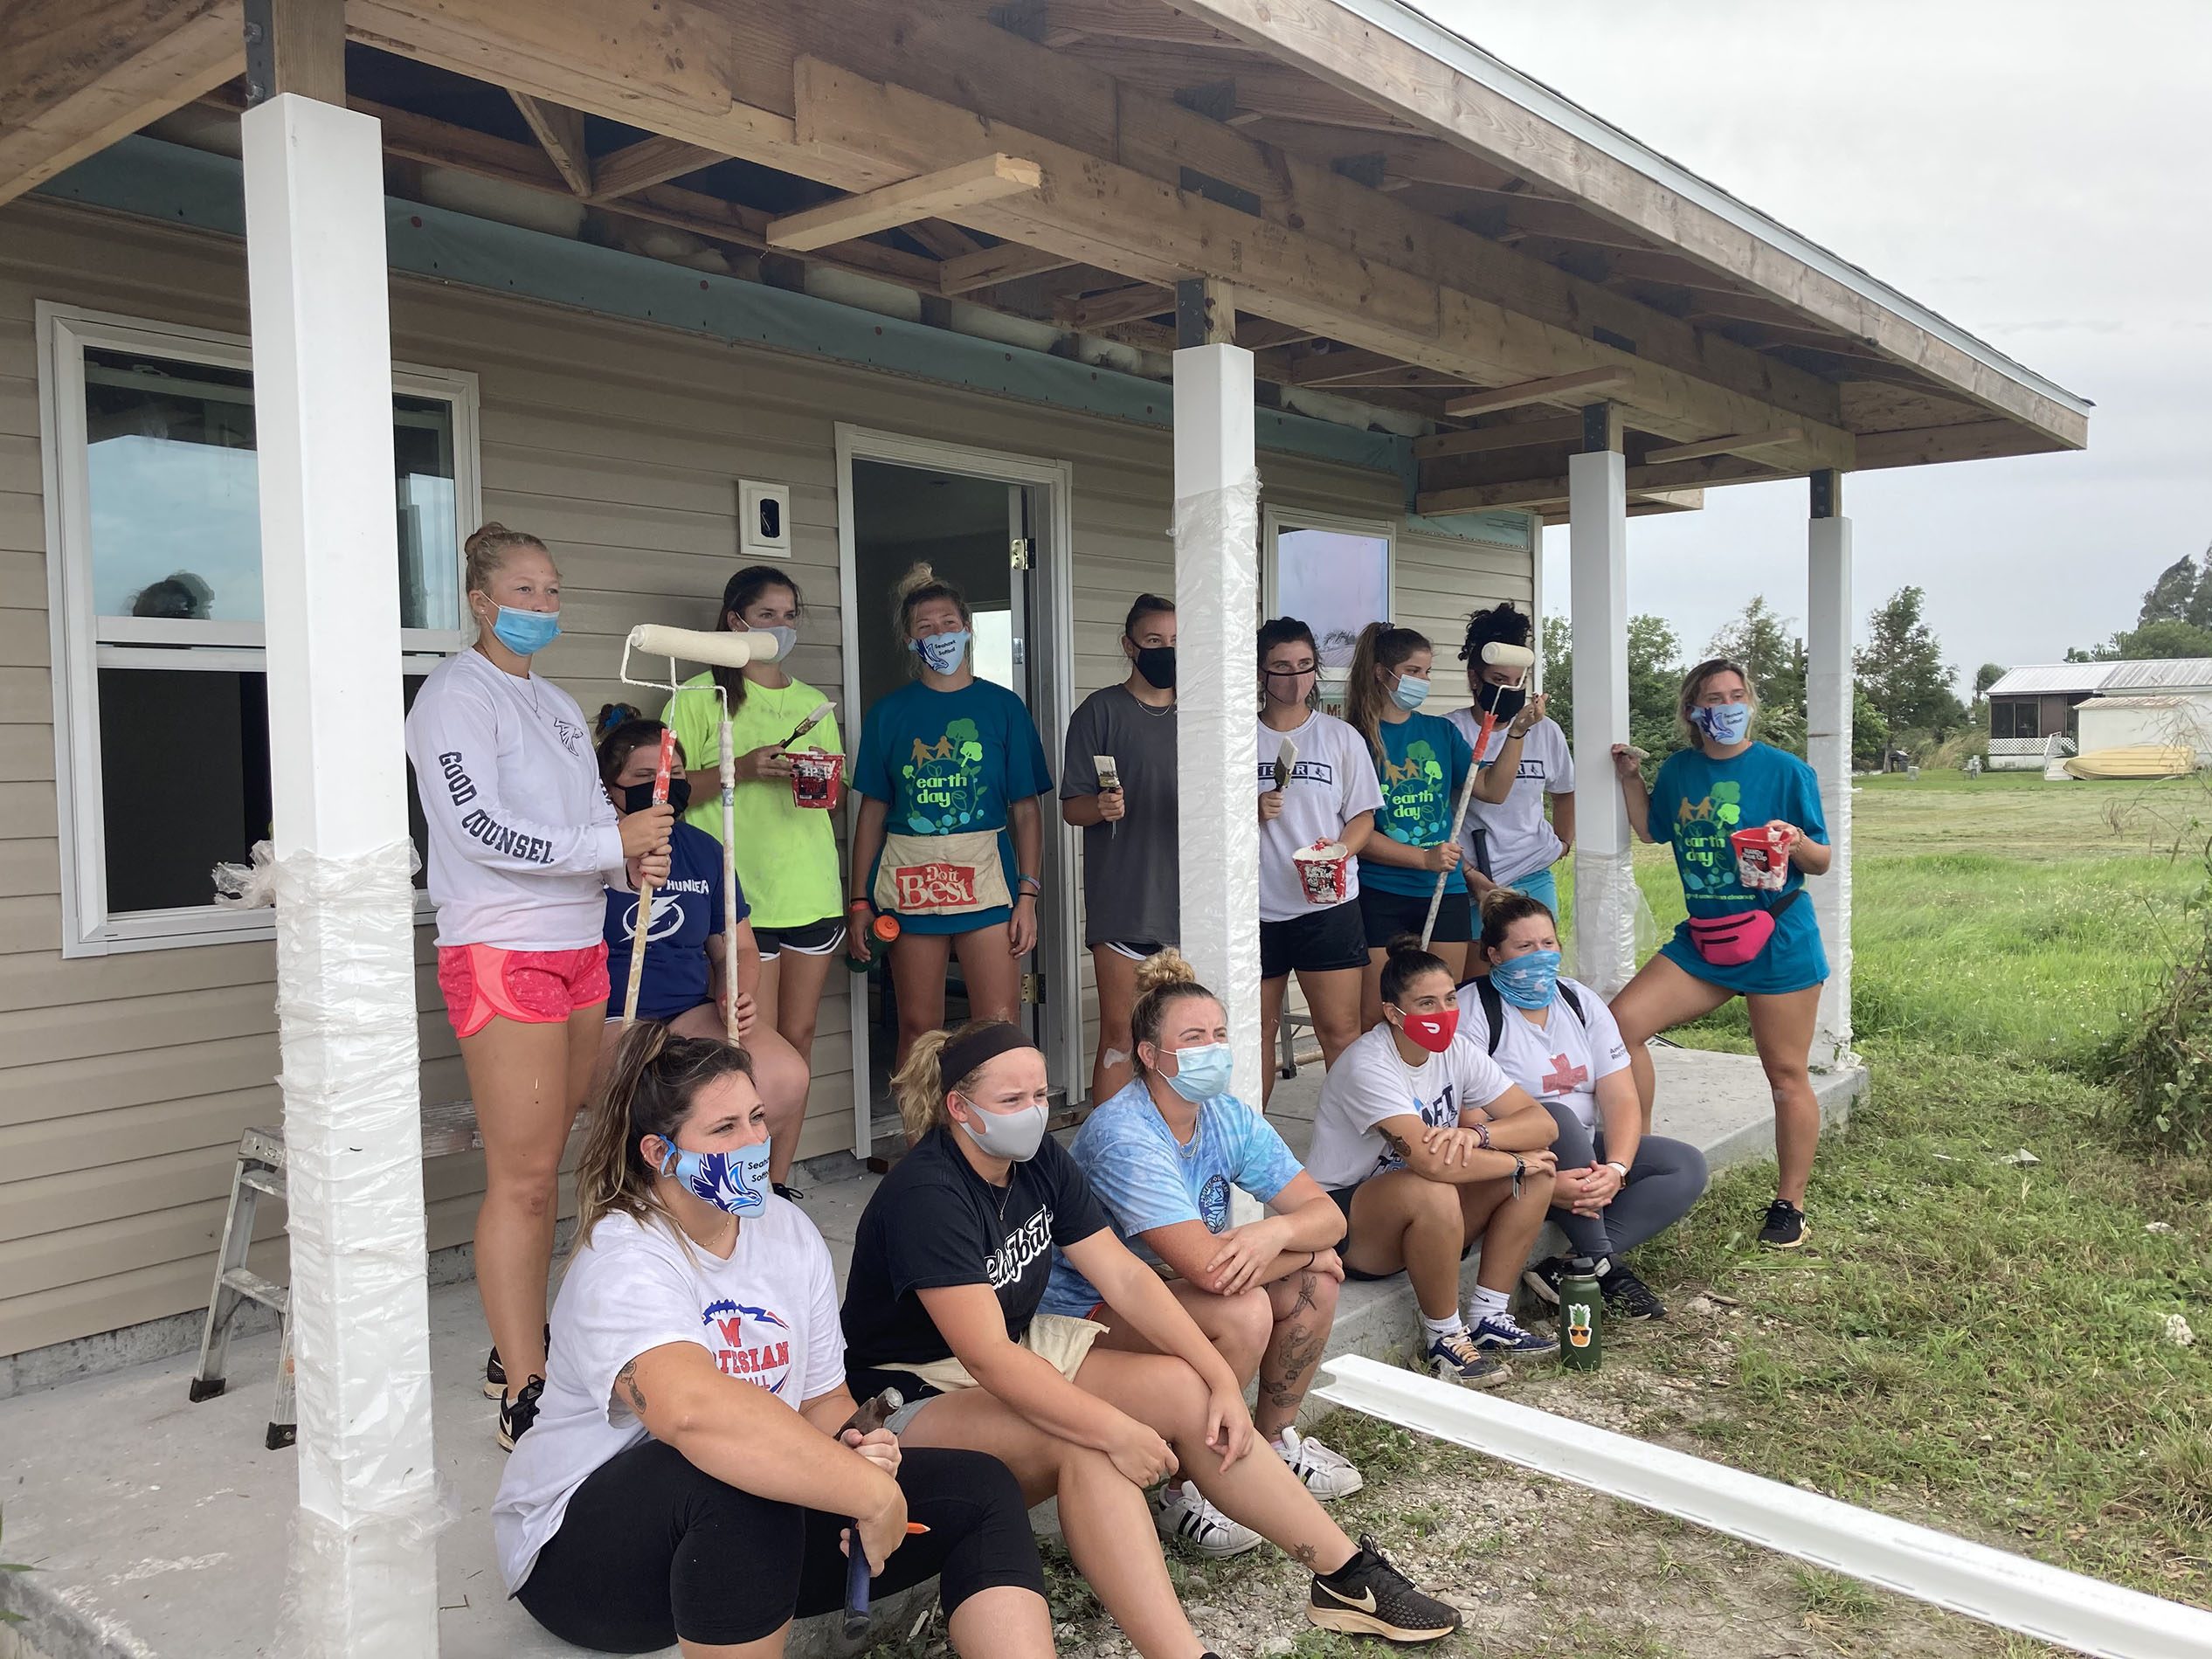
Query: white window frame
{"points": [[1274, 520], [83, 643]]}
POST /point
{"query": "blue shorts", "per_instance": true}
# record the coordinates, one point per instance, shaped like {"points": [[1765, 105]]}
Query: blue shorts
{"points": [[1541, 886]]}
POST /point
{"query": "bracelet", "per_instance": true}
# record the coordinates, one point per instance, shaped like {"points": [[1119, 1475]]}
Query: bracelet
{"points": [[1311, 1254], [1030, 881], [1482, 1135], [1618, 1168], [1520, 1168], [860, 904]]}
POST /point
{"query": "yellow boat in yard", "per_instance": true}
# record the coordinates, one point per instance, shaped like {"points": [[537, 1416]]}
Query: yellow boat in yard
{"points": [[2135, 760]]}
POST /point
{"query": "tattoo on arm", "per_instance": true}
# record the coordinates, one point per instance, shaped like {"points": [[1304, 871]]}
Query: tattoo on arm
{"points": [[1397, 1144], [626, 1389]]}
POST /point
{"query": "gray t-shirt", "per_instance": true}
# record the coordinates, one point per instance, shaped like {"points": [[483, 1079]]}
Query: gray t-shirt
{"points": [[1131, 888]]}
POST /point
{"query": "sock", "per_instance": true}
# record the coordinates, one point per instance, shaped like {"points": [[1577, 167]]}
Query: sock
{"points": [[1484, 1303], [1450, 1325]]}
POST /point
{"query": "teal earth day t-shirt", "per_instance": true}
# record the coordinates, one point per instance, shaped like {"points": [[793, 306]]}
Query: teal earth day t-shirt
{"points": [[1425, 761]]}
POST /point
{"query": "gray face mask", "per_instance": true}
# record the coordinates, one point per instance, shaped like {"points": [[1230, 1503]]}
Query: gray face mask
{"points": [[1010, 1134]]}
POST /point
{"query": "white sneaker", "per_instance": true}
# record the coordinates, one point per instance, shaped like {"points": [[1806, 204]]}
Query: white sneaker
{"points": [[1186, 1518], [1327, 1474]]}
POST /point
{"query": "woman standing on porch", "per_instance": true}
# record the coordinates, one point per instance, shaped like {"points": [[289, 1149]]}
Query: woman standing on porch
{"points": [[1735, 941], [949, 839], [1508, 841], [523, 843]]}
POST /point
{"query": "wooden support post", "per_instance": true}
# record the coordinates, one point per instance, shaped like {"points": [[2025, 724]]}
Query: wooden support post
{"points": [[1598, 593], [1205, 313], [1829, 697], [295, 46]]}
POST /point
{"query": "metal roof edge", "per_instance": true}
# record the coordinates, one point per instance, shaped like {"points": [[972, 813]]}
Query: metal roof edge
{"points": [[1454, 51]]}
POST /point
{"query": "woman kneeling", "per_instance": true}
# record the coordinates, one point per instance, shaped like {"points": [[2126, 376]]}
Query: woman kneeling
{"points": [[1616, 1185], [951, 1265], [1163, 1156], [1427, 1146], [690, 1474]]}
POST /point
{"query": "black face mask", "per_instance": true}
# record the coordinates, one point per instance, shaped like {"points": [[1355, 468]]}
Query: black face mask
{"points": [[1504, 702], [638, 796], [1156, 664]]}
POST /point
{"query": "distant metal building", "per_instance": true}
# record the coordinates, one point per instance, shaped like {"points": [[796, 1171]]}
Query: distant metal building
{"points": [[2029, 706]]}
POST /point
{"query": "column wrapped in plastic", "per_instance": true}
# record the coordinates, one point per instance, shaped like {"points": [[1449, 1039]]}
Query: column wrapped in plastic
{"points": [[1614, 931], [359, 1299], [1217, 598]]}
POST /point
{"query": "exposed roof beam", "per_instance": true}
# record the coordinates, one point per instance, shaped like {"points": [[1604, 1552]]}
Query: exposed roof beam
{"points": [[76, 76], [1006, 262], [1967, 440], [1260, 333], [1532, 492], [1525, 434], [648, 161], [1264, 88], [1115, 305], [943, 241], [1740, 444], [1552, 389], [1645, 505], [560, 130], [1059, 21], [949, 191]]}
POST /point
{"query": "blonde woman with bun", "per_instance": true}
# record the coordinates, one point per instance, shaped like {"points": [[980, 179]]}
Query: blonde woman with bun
{"points": [[943, 1302], [949, 839], [523, 843], [1164, 1156]]}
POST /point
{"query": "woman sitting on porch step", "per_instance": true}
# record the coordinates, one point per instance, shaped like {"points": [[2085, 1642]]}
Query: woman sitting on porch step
{"points": [[1736, 941], [1164, 1155], [1427, 1146], [693, 1478], [1616, 1185], [949, 1270], [523, 843], [691, 970], [949, 839]]}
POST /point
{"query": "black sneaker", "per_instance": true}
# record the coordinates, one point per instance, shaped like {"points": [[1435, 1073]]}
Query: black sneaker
{"points": [[789, 1194], [1784, 1228], [1542, 1279], [516, 1415], [1627, 1296], [495, 1374], [1368, 1597]]}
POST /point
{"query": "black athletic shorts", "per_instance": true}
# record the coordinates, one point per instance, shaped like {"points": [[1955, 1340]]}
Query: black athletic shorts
{"points": [[1387, 915], [823, 938], [1135, 950], [1344, 1196], [1320, 942]]}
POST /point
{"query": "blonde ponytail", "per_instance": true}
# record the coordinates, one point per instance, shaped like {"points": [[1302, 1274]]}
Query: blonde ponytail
{"points": [[918, 1088], [1164, 978]]}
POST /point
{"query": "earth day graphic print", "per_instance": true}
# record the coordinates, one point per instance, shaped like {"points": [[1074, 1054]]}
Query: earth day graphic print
{"points": [[1702, 829], [944, 786], [1416, 802]]}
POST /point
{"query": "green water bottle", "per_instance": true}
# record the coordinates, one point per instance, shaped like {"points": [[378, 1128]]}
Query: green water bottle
{"points": [[1581, 1316]]}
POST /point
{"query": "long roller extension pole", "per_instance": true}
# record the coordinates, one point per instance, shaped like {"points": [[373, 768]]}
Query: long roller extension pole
{"points": [[1459, 822], [728, 872], [645, 889]]}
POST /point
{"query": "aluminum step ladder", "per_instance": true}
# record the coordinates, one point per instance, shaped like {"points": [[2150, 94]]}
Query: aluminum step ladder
{"points": [[261, 1173]]}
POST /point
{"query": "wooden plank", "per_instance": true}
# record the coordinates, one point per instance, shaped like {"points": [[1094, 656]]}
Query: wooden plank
{"points": [[1539, 492], [1526, 434], [1739, 443], [307, 49], [1008, 262], [1553, 388], [560, 130], [1972, 440], [1148, 20], [942, 241], [76, 75], [944, 193], [1115, 305], [1205, 313], [648, 161]]}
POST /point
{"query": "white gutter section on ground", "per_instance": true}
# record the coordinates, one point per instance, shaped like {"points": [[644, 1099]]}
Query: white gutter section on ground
{"points": [[1993, 1586]]}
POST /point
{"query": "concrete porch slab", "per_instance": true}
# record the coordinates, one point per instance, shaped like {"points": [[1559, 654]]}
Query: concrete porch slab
{"points": [[160, 1528]]}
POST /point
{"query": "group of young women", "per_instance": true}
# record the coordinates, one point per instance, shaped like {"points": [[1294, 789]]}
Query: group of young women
{"points": [[1081, 1322]]}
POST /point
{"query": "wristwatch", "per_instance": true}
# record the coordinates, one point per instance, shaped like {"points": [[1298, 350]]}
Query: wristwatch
{"points": [[1520, 1168], [1618, 1168]]}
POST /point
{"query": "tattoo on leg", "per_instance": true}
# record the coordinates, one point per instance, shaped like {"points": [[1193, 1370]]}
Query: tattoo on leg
{"points": [[1306, 1288], [626, 1389], [1294, 1363], [1305, 1555]]}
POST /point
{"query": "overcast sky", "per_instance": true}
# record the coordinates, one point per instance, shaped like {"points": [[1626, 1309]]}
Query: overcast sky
{"points": [[2035, 170]]}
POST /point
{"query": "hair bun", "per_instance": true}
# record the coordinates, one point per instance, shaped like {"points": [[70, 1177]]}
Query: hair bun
{"points": [[919, 575], [1165, 967], [485, 537], [1405, 944]]}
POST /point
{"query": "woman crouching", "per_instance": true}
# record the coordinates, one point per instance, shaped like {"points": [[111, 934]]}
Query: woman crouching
{"points": [[689, 1479], [952, 1257]]}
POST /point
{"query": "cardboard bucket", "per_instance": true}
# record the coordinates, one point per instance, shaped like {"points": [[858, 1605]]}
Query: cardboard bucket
{"points": [[1325, 868], [1762, 859], [816, 778]]}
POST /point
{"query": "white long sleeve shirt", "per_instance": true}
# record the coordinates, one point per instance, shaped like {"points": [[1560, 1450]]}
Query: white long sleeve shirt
{"points": [[523, 841]]}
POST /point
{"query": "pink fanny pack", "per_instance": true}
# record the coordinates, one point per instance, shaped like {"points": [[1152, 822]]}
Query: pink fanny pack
{"points": [[1730, 941]]}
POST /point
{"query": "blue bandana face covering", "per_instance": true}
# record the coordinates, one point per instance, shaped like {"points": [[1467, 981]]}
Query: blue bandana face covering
{"points": [[1409, 694], [943, 651], [526, 632], [1725, 722], [1528, 981], [1203, 1074], [736, 1183]]}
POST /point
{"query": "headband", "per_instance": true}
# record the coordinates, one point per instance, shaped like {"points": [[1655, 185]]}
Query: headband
{"points": [[962, 1054]]}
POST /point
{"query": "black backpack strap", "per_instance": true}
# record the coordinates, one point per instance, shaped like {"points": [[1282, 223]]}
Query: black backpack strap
{"points": [[1493, 1009], [1574, 1006]]}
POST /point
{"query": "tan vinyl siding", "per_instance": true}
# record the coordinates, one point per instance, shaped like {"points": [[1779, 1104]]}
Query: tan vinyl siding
{"points": [[125, 1079]]}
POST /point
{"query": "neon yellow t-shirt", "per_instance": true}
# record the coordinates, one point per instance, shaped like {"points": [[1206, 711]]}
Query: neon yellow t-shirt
{"points": [[787, 853]]}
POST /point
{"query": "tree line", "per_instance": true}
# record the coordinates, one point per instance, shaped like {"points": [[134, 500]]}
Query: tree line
{"points": [[2175, 621]]}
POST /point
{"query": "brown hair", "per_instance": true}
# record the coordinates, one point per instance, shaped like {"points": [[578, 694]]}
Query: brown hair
{"points": [[1381, 647], [1503, 907], [488, 550], [655, 1078], [1164, 978], [1146, 604], [740, 591], [624, 739], [1288, 631], [1405, 960], [919, 1086], [1693, 686]]}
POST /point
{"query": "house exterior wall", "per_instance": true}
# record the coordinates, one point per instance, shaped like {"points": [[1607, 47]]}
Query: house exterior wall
{"points": [[2167, 722], [125, 1080]]}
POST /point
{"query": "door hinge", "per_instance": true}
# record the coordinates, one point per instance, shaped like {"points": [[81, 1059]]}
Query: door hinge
{"points": [[1032, 987], [1020, 549]]}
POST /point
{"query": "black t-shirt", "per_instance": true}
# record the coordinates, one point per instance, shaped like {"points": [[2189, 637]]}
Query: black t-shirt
{"points": [[934, 1222]]}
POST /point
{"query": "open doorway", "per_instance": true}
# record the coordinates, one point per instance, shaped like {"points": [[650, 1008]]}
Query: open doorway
{"points": [[993, 527]]}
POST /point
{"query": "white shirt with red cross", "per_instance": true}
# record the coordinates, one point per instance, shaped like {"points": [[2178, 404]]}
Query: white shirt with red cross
{"points": [[1560, 1060]]}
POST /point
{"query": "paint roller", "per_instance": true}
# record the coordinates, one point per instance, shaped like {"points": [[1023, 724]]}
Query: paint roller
{"points": [[716, 650], [1495, 655]]}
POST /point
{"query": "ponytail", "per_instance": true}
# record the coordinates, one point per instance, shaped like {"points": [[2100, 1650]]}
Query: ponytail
{"points": [[1381, 648], [656, 1077], [1164, 978]]}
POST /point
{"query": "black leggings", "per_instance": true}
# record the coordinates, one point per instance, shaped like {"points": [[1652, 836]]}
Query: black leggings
{"points": [[653, 1550]]}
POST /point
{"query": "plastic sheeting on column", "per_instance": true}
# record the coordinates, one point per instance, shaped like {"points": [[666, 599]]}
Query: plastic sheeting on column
{"points": [[1610, 913], [1216, 715], [359, 1306]]}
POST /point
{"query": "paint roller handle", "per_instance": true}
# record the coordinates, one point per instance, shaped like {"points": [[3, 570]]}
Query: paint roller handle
{"points": [[648, 831], [1459, 824], [653, 869]]}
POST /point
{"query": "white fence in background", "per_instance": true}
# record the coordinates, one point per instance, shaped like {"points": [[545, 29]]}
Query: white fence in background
{"points": [[1993, 1586]]}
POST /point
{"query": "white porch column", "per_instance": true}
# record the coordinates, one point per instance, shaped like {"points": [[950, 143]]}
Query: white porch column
{"points": [[1828, 745], [1217, 602], [1604, 905], [364, 1571]]}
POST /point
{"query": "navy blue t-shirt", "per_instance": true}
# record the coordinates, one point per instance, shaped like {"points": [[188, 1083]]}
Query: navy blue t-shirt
{"points": [[685, 912]]}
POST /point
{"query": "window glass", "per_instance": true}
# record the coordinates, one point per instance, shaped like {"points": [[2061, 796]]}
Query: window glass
{"points": [[1334, 582]]}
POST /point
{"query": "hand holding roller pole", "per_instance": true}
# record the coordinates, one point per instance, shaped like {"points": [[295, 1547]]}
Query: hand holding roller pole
{"points": [[1497, 656], [645, 889]]}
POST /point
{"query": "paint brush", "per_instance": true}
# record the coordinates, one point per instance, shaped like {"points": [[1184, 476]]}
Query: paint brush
{"points": [[821, 709], [1110, 779], [1286, 762]]}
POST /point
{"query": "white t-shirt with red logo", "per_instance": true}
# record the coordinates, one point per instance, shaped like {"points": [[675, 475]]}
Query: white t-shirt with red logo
{"points": [[1560, 1062], [768, 1313], [1372, 1083]]}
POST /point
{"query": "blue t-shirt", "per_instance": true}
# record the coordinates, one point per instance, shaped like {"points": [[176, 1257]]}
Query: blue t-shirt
{"points": [[687, 911], [945, 763], [1145, 1179], [1697, 803], [1425, 760]]}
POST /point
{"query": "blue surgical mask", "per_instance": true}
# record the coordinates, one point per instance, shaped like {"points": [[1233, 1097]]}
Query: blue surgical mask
{"points": [[943, 651], [1725, 722], [526, 632], [733, 1182], [1202, 1074], [1528, 981], [1409, 694]]}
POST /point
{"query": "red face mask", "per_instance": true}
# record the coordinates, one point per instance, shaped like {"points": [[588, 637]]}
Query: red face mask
{"points": [[1433, 1031]]}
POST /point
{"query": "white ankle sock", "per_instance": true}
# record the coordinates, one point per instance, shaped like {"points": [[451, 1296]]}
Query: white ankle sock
{"points": [[1481, 1304], [1450, 1325]]}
